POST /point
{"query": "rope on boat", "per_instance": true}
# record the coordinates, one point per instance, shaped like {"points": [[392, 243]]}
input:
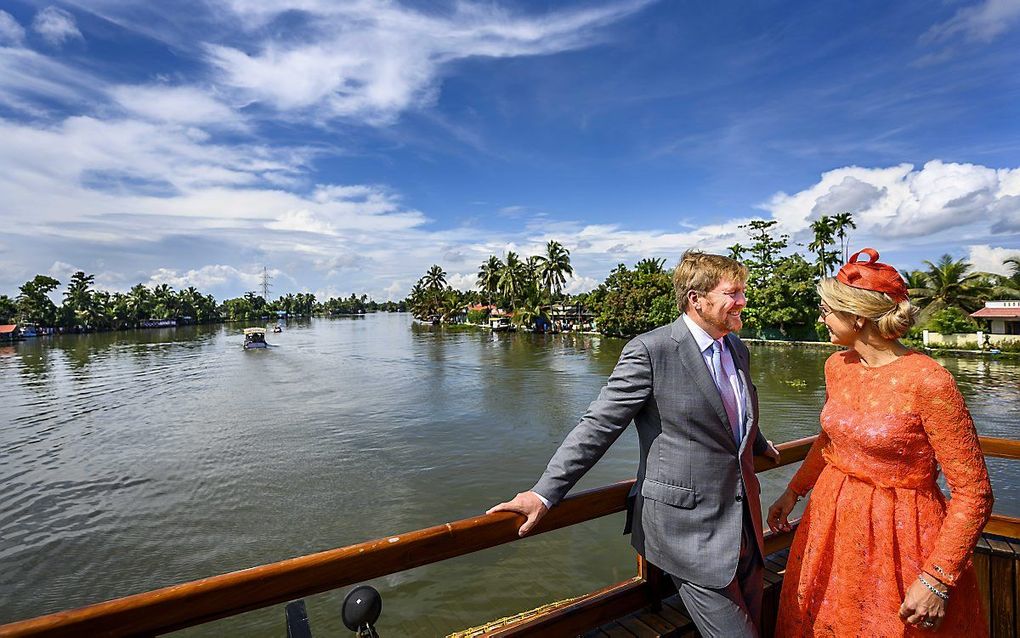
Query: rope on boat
{"points": [[474, 632]]}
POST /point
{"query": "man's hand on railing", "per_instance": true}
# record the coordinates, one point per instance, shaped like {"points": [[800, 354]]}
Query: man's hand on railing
{"points": [[527, 503]]}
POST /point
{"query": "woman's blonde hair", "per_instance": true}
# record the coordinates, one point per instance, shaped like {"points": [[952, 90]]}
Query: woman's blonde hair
{"points": [[893, 319]]}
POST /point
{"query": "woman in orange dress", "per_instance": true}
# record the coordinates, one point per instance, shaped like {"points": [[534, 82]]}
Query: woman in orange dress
{"points": [[879, 552]]}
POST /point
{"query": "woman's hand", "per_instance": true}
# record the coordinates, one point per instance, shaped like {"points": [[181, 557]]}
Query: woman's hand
{"points": [[780, 511], [921, 607]]}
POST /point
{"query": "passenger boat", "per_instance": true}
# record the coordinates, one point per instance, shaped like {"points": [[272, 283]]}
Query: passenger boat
{"points": [[255, 338], [642, 605], [277, 329]]}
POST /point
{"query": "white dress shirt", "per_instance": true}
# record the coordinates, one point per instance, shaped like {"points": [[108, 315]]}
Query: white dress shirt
{"points": [[704, 341]]}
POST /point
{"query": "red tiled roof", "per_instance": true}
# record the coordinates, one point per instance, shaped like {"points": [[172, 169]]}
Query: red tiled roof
{"points": [[997, 313], [8, 328]]}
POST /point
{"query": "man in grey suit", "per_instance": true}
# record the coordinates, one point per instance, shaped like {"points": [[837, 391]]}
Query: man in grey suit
{"points": [[695, 510]]}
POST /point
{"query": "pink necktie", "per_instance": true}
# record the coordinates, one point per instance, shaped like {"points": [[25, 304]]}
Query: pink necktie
{"points": [[725, 390]]}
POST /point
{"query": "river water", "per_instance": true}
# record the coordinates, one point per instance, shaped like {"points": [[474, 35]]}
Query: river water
{"points": [[135, 460]]}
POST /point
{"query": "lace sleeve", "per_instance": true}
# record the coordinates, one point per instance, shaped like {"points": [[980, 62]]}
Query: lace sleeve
{"points": [[951, 433], [805, 478]]}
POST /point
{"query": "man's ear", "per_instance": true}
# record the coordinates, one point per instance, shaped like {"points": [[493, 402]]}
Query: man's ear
{"points": [[692, 299]]}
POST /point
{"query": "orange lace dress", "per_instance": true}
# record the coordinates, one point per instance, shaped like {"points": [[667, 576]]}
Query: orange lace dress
{"points": [[876, 517]]}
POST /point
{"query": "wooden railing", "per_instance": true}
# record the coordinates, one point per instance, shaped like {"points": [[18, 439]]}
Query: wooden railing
{"points": [[201, 601]]}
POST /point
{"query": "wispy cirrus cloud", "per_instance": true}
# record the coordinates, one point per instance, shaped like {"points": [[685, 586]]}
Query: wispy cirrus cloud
{"points": [[56, 26], [176, 104], [11, 31], [370, 61], [980, 22]]}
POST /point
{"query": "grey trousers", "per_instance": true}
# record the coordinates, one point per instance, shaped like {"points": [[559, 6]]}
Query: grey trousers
{"points": [[735, 610]]}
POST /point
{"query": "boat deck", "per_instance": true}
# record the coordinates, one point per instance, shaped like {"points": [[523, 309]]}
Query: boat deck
{"points": [[671, 619], [996, 559], [642, 605]]}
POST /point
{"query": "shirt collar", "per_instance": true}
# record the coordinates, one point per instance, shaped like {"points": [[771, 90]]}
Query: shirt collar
{"points": [[703, 339]]}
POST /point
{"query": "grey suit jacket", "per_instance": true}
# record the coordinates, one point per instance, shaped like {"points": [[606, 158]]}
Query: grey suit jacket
{"points": [[686, 509]]}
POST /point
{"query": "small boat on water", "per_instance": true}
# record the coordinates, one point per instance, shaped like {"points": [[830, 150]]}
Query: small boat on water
{"points": [[277, 328], [255, 338]]}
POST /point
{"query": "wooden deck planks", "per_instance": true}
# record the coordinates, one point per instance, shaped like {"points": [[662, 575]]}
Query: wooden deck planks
{"points": [[982, 568], [1002, 574], [996, 562]]}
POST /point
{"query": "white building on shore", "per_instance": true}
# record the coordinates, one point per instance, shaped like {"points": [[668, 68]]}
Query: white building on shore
{"points": [[1004, 316]]}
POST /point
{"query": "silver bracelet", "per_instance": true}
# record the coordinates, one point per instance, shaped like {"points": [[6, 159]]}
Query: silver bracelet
{"points": [[941, 594]]}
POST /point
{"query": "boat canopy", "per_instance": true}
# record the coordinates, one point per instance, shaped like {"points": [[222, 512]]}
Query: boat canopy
{"points": [[254, 331]]}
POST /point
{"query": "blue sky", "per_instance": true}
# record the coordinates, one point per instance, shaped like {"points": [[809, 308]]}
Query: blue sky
{"points": [[349, 145]]}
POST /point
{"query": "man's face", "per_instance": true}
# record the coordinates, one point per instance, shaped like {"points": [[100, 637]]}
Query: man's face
{"points": [[720, 307]]}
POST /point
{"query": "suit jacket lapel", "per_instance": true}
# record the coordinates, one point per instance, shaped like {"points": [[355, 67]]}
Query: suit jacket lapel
{"points": [[745, 375], [691, 358]]}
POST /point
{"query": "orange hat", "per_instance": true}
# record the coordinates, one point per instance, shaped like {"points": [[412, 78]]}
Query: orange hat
{"points": [[872, 275]]}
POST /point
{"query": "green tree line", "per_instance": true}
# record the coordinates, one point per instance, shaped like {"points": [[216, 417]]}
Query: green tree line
{"points": [[781, 298], [84, 308]]}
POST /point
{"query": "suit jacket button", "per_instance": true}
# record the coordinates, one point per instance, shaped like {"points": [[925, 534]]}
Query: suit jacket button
{"points": [[739, 498]]}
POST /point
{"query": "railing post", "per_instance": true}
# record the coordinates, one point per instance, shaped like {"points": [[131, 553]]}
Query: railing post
{"points": [[653, 577]]}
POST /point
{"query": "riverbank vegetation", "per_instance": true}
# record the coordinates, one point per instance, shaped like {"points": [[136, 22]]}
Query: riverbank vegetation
{"points": [[781, 298], [83, 308]]}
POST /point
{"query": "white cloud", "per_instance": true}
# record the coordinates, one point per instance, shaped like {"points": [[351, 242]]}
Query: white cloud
{"points": [[29, 80], [56, 26], [206, 277], [62, 271], [981, 22], [372, 60], [904, 202], [11, 32], [986, 258], [177, 104], [463, 281], [576, 285]]}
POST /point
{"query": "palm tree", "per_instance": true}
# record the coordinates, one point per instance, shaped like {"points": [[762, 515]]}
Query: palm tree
{"points": [[449, 304], [949, 284], [1014, 265], [488, 277], [435, 278], [139, 303], [164, 304], [555, 268], [917, 281], [823, 230], [78, 300], [1007, 286], [534, 266], [650, 267], [529, 312], [840, 223], [512, 278]]}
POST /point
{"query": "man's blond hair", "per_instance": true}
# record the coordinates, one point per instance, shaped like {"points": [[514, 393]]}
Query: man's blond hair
{"points": [[702, 272]]}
